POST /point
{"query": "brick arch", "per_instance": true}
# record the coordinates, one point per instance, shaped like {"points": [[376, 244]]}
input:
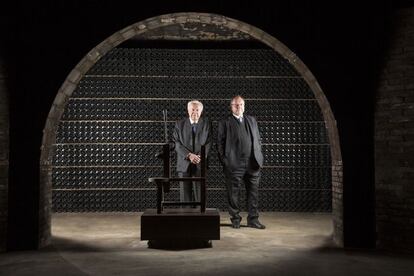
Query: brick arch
{"points": [[221, 28]]}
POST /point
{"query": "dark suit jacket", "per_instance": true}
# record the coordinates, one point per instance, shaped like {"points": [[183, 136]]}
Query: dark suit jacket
{"points": [[226, 136], [183, 140]]}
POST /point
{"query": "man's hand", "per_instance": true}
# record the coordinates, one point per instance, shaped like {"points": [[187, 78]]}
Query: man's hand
{"points": [[194, 158]]}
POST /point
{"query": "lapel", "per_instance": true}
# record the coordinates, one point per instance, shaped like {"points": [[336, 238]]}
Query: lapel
{"points": [[187, 132], [231, 131], [249, 125], [247, 121], [187, 125]]}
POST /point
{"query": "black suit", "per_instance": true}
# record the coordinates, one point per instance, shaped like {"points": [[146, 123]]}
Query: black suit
{"points": [[186, 142], [240, 164]]}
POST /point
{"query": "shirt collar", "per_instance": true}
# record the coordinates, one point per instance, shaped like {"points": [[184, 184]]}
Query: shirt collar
{"points": [[237, 117], [193, 122]]}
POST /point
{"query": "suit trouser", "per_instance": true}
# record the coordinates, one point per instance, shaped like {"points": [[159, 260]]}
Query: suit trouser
{"points": [[190, 190], [251, 178]]}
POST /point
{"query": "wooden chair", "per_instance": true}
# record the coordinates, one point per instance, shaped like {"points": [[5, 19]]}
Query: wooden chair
{"points": [[163, 183]]}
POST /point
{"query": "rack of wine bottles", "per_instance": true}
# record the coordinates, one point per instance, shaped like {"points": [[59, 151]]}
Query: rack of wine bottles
{"points": [[112, 128]]}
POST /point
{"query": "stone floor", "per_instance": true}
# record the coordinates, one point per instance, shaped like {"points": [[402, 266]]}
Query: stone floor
{"points": [[109, 244]]}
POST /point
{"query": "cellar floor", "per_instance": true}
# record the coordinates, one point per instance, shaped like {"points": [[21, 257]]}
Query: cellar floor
{"points": [[109, 244]]}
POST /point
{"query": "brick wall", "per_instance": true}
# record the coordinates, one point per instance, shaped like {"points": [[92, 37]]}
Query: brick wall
{"points": [[394, 139], [4, 156], [337, 202]]}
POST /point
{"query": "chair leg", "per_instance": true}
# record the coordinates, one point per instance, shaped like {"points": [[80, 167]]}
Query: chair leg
{"points": [[159, 198], [203, 196]]}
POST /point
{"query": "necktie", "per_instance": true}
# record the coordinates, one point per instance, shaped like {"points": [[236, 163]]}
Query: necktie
{"points": [[241, 119], [194, 128]]}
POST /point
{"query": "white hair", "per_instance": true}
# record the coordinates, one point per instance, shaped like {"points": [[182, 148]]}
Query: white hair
{"points": [[194, 102]]}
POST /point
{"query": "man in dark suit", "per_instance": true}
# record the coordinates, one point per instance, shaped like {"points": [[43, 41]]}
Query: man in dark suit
{"points": [[240, 152], [189, 135]]}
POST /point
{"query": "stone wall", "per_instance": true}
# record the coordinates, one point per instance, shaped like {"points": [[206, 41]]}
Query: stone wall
{"points": [[394, 139], [337, 202], [4, 156]]}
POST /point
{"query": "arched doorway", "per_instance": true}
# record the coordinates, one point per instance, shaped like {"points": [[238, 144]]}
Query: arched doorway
{"points": [[184, 26]]}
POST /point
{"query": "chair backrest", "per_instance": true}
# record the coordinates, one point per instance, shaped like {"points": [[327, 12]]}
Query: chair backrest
{"points": [[166, 160]]}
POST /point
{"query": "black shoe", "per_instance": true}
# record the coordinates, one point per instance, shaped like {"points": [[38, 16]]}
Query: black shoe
{"points": [[235, 224], [256, 224]]}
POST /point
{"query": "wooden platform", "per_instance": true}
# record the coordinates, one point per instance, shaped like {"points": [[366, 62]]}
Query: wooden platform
{"points": [[180, 224]]}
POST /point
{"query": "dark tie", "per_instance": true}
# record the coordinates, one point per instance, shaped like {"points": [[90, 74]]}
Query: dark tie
{"points": [[194, 128]]}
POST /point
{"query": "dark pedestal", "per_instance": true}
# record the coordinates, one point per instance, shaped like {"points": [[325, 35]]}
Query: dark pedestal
{"points": [[180, 227]]}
